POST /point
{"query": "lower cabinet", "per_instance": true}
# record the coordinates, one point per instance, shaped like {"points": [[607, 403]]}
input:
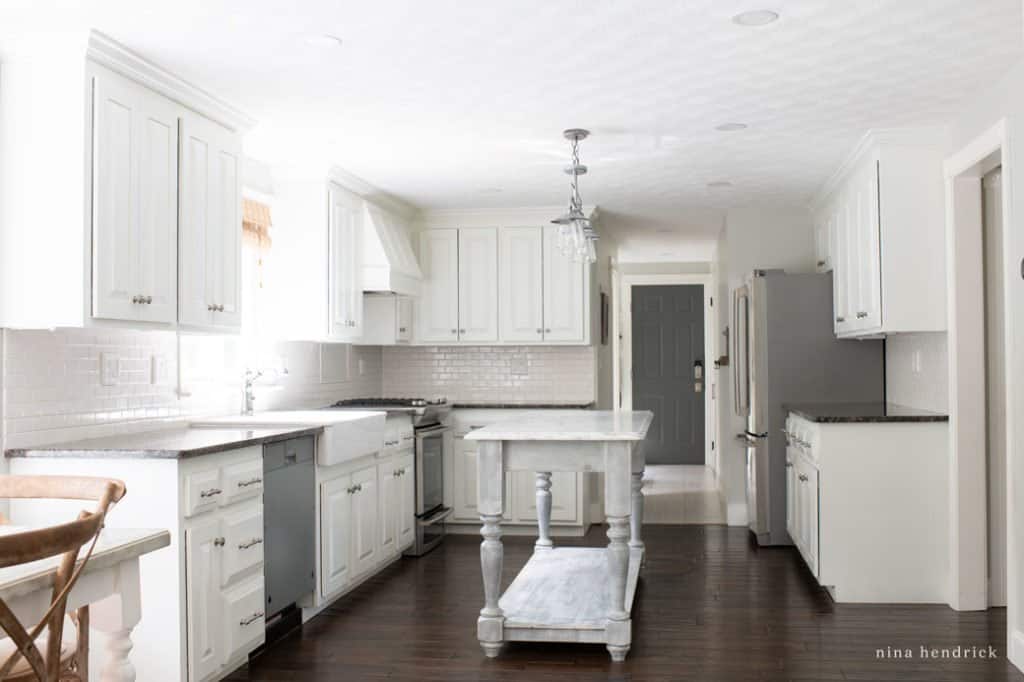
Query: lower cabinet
{"points": [[802, 505], [367, 518], [224, 582]]}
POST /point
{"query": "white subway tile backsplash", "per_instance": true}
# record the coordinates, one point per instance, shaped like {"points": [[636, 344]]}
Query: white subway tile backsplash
{"points": [[506, 374], [52, 389]]}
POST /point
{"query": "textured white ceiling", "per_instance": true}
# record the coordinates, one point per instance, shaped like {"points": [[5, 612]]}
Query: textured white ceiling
{"points": [[449, 103]]}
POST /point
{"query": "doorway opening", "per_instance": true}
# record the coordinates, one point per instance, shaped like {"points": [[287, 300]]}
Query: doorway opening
{"points": [[984, 320], [665, 345]]}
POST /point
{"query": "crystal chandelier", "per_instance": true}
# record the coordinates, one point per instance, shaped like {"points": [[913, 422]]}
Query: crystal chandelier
{"points": [[577, 238]]}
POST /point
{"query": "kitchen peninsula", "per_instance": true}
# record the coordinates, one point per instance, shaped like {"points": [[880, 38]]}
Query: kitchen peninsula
{"points": [[566, 594]]}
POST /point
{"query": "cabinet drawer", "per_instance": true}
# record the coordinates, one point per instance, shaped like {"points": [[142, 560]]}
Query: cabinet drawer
{"points": [[244, 622], [243, 542], [203, 491], [242, 480]]}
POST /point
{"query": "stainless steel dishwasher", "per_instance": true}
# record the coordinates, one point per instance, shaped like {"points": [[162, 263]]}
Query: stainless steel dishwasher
{"points": [[289, 521]]}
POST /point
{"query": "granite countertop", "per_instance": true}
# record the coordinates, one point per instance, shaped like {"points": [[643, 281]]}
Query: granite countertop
{"points": [[868, 413], [176, 443], [521, 406], [586, 425]]}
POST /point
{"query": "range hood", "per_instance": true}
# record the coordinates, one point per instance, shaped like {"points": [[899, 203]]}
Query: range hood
{"points": [[389, 264]]}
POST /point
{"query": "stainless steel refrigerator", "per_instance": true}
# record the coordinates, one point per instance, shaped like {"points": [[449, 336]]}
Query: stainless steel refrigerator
{"points": [[786, 352]]}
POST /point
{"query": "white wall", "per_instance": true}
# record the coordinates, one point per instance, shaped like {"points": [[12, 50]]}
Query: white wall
{"points": [[753, 238]]}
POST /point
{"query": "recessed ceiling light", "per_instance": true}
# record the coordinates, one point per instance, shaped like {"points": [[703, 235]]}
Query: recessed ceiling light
{"points": [[323, 40], [757, 17], [730, 127], [719, 184]]}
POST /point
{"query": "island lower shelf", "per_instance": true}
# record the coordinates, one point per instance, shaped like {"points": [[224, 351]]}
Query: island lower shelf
{"points": [[563, 594]]}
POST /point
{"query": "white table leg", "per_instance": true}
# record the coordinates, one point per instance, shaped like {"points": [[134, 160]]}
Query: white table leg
{"points": [[636, 521], [618, 506], [544, 510], [490, 501], [116, 616]]}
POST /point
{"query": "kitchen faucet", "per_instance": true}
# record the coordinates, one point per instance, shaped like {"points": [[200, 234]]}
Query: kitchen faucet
{"points": [[251, 375]]}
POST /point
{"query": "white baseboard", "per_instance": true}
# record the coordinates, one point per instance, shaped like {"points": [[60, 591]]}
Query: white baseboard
{"points": [[736, 514], [1016, 652]]}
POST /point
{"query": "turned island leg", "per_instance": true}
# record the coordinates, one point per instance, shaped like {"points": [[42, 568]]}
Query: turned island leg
{"points": [[491, 492], [636, 521], [544, 510], [618, 506]]}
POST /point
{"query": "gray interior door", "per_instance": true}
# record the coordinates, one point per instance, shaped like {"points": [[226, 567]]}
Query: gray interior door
{"points": [[669, 371]]}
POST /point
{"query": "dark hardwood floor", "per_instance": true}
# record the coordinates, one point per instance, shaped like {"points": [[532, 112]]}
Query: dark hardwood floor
{"points": [[711, 606]]}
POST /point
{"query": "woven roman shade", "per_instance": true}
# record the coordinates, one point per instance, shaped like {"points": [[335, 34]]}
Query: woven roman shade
{"points": [[256, 223]]}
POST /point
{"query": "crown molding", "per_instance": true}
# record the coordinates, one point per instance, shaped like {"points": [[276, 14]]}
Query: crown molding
{"points": [[372, 194], [106, 51]]}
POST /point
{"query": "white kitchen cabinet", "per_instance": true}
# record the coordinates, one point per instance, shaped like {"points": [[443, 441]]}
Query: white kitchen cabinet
{"points": [[566, 298], [210, 235], [387, 320], [244, 622], [365, 520], [882, 216], [202, 592], [390, 506], [437, 310], [335, 534], [478, 285], [823, 231], [406, 500], [464, 484], [135, 196], [345, 297], [867, 507], [521, 292]]}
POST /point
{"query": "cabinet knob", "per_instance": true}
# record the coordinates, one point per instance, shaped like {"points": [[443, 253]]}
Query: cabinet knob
{"points": [[840, 320], [211, 307], [462, 331], [149, 299], [803, 478], [135, 299], [861, 315], [455, 331], [401, 329], [540, 331], [821, 264], [547, 331], [219, 542]]}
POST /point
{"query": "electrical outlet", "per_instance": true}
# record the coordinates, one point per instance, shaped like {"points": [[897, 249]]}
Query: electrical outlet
{"points": [[158, 370], [110, 369]]}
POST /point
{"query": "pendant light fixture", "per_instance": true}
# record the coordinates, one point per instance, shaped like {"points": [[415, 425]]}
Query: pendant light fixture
{"points": [[576, 235]]}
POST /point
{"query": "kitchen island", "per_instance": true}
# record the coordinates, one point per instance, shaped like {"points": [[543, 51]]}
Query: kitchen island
{"points": [[566, 594]]}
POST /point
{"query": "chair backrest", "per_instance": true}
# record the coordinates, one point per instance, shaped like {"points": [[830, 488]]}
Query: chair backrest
{"points": [[65, 540]]}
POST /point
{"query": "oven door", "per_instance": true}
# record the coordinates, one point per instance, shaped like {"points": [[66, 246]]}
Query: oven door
{"points": [[430, 469]]}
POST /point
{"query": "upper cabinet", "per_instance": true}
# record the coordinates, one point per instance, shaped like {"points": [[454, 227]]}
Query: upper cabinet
{"points": [[140, 150], [135, 195], [210, 232], [314, 284], [500, 285], [881, 219]]}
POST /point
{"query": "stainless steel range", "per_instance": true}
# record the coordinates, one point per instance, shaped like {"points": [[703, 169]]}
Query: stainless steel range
{"points": [[433, 436]]}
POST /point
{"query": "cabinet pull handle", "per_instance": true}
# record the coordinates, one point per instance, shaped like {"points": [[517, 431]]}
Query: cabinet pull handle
{"points": [[821, 264], [789, 465], [219, 542], [135, 299], [401, 329], [211, 492], [211, 307], [861, 315], [251, 543], [840, 320], [803, 478], [408, 437], [245, 622], [251, 481]]}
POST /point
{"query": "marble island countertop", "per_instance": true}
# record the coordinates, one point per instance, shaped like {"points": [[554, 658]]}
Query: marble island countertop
{"points": [[586, 425], [174, 443], [874, 412], [482, 405]]}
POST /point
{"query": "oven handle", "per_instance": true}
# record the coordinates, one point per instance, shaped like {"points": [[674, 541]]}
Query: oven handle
{"points": [[431, 431]]}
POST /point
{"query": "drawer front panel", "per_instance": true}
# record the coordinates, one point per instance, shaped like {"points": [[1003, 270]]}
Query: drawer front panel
{"points": [[243, 542], [243, 619], [242, 480], [203, 491]]}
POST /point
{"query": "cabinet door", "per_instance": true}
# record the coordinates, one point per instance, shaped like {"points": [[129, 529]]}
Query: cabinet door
{"points": [[822, 244], [811, 534], [335, 534], [365, 519], [845, 273], [791, 495], [521, 284], [204, 605], [403, 313], [210, 238], [478, 284], [564, 292], [245, 624], [407, 500], [869, 311], [564, 494], [135, 185], [389, 506], [437, 309], [345, 291]]}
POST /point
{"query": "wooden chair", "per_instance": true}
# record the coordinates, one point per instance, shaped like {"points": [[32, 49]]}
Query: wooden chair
{"points": [[65, 654]]}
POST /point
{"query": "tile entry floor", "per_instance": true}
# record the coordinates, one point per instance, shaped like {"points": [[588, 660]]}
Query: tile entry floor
{"points": [[682, 494]]}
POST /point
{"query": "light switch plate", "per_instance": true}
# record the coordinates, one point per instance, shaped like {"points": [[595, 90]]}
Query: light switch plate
{"points": [[110, 369]]}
